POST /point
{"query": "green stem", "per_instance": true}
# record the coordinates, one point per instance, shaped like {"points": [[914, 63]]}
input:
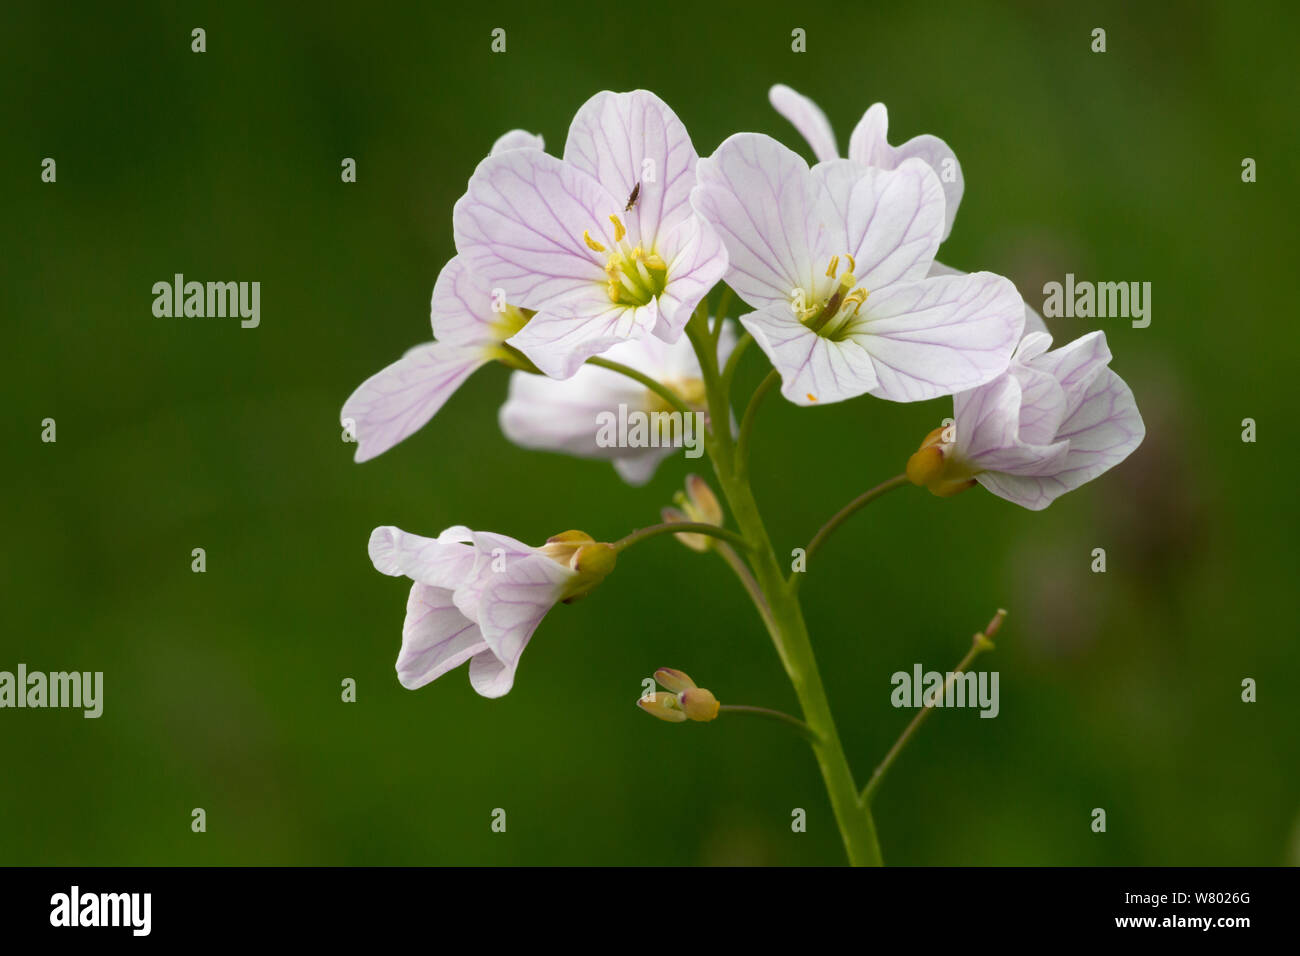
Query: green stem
{"points": [[660, 389], [794, 722], [979, 643], [785, 621], [679, 527], [843, 515], [790, 634], [751, 415], [733, 362], [746, 577], [720, 314]]}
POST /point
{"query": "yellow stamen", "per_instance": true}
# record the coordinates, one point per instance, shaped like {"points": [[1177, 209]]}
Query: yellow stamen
{"points": [[592, 244], [833, 268], [857, 297], [619, 230], [853, 265]]}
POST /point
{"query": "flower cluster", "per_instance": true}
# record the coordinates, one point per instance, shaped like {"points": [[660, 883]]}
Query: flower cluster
{"points": [[583, 272]]}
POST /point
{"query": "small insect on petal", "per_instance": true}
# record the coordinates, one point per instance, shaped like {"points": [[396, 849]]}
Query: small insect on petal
{"points": [[631, 200]]}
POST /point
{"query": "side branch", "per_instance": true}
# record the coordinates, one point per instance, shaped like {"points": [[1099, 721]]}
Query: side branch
{"points": [[979, 643]]}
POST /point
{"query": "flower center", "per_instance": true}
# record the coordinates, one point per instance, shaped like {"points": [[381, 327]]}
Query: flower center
{"points": [[635, 276], [831, 318]]}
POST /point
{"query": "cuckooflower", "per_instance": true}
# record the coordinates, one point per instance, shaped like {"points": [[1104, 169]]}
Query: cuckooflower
{"points": [[835, 258], [1053, 421], [478, 597], [470, 326], [579, 415], [603, 244]]}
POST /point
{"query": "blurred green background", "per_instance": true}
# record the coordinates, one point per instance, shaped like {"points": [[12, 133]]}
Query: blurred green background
{"points": [[1118, 690]]}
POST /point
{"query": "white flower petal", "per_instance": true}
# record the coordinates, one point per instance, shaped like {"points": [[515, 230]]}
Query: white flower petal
{"points": [[869, 144], [814, 370], [436, 637], [696, 261], [1074, 365], [1033, 321], [869, 141], [489, 677], [398, 400], [510, 605], [563, 415], [1101, 430], [560, 340], [517, 139], [622, 139], [460, 308], [638, 466], [889, 220], [939, 336], [520, 228], [806, 117], [443, 562], [759, 197], [989, 430]]}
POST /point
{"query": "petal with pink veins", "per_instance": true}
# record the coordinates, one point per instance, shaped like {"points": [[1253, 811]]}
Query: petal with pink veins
{"points": [[869, 144], [436, 637], [520, 228], [759, 197], [444, 561], [890, 221], [517, 139], [938, 336], [625, 139], [400, 399], [815, 370]]}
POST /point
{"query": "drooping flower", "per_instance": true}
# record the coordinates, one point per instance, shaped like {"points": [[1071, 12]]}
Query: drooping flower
{"points": [[1052, 422], [585, 415], [835, 260], [470, 326], [603, 244], [869, 144], [478, 597]]}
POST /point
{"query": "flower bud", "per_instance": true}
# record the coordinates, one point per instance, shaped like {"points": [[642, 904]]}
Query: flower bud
{"points": [[696, 542], [935, 466], [699, 504], [673, 680], [703, 502], [698, 704], [580, 552], [662, 705], [682, 701]]}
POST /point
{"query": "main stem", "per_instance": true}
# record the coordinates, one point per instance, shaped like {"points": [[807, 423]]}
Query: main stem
{"points": [[785, 621]]}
